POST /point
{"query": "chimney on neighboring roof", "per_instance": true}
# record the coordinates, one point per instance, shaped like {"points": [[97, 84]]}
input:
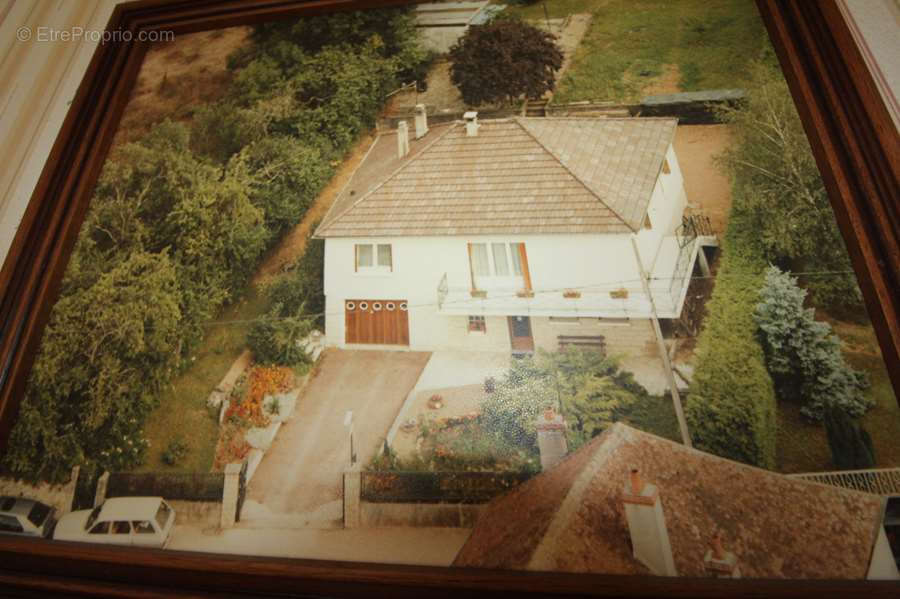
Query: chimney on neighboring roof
{"points": [[718, 562], [551, 436], [402, 139], [647, 525], [471, 118], [421, 121]]}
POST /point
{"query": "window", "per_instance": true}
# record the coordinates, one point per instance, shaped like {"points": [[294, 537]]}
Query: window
{"points": [[501, 267], [101, 528], [477, 324], [143, 527], [564, 319], [647, 223], [38, 513], [517, 250], [121, 527], [374, 257], [497, 259], [10, 524], [162, 515], [480, 265], [665, 167]]}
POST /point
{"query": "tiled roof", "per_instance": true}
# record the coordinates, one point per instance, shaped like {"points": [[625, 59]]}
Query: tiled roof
{"points": [[521, 175], [571, 518]]}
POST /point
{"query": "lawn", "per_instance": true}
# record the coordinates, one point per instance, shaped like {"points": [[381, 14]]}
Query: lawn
{"points": [[182, 413], [803, 446], [638, 46]]}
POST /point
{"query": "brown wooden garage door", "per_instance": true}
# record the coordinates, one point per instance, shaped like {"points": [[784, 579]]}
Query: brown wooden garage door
{"points": [[377, 321]]}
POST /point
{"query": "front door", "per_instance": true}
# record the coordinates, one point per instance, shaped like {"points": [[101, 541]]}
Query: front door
{"points": [[520, 334]]}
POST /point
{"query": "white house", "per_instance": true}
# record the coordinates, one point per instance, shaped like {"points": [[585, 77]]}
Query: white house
{"points": [[509, 234]]}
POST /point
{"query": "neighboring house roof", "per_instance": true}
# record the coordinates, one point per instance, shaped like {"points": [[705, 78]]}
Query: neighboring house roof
{"points": [[571, 517], [520, 175]]}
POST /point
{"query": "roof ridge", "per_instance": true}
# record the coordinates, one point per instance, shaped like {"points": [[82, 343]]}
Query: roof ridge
{"points": [[396, 171], [518, 121]]}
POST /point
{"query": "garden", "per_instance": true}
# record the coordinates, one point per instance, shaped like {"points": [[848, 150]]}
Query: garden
{"points": [[492, 427]]}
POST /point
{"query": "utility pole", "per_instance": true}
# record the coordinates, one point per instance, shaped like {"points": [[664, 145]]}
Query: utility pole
{"points": [[667, 365]]}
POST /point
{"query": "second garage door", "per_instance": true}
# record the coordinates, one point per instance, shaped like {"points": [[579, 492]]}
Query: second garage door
{"points": [[382, 322]]}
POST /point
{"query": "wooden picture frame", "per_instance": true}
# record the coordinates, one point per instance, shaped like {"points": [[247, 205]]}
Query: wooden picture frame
{"points": [[855, 144]]}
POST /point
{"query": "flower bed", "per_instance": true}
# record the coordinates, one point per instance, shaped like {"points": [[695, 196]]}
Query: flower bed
{"points": [[245, 410]]}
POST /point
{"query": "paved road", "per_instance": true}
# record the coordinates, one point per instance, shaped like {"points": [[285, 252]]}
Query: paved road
{"points": [[300, 478], [419, 546]]}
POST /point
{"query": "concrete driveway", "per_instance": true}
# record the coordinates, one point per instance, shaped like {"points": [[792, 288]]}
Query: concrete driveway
{"points": [[299, 481]]}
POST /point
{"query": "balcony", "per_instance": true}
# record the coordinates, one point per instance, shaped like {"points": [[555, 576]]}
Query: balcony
{"points": [[615, 299]]}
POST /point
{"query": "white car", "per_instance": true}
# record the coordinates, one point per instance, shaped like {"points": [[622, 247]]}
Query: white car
{"points": [[138, 521], [25, 517]]}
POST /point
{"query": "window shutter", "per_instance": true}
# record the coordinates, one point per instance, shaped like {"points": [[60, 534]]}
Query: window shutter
{"points": [[525, 274]]}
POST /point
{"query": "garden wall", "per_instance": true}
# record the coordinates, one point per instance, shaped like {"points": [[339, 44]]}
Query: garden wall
{"points": [[57, 496], [206, 514]]}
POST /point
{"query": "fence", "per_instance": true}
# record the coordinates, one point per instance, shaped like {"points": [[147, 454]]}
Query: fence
{"points": [[881, 481], [436, 487], [186, 486]]}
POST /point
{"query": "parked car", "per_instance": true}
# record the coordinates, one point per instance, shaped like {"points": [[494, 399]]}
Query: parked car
{"points": [[27, 517], [139, 521]]}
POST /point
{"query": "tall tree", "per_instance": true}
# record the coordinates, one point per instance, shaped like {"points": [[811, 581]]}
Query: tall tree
{"points": [[105, 353], [504, 61], [778, 192]]}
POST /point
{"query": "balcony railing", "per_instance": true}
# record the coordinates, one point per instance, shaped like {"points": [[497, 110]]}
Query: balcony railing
{"points": [[612, 299]]}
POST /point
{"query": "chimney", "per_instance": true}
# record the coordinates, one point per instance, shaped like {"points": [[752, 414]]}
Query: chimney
{"points": [[402, 139], [718, 562], [421, 121], [647, 525], [471, 118], [551, 435]]}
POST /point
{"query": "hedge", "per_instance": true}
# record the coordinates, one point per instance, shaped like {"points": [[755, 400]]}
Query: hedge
{"points": [[730, 408]]}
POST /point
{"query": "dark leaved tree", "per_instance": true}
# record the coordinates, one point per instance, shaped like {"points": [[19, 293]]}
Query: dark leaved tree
{"points": [[504, 61]]}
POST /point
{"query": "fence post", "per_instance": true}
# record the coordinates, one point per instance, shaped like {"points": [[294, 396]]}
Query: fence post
{"points": [[352, 490], [230, 492], [100, 493]]}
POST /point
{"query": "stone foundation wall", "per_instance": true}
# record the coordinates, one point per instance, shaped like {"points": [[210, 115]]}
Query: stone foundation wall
{"points": [[206, 514], [632, 338]]}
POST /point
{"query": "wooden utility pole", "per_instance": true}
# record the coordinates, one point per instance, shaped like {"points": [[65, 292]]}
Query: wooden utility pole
{"points": [[667, 365]]}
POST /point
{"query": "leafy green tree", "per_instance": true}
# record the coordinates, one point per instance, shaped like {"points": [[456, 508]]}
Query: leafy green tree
{"points": [[106, 351], [584, 385], [779, 194], [287, 175], [802, 354], [503, 62]]}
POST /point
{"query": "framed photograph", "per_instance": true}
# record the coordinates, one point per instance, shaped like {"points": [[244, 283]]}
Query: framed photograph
{"points": [[568, 297]]}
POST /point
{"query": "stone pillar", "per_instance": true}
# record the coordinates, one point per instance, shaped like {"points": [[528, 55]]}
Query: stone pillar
{"points": [[230, 495], [352, 489], [421, 121], [402, 139], [100, 492], [647, 526], [551, 434]]}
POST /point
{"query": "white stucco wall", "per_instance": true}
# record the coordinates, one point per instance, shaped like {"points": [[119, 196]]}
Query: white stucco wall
{"points": [[882, 566], [555, 262]]}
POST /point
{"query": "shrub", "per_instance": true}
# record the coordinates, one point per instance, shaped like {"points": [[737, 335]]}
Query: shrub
{"points": [[803, 355], [175, 452], [851, 446], [274, 339], [730, 408]]}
